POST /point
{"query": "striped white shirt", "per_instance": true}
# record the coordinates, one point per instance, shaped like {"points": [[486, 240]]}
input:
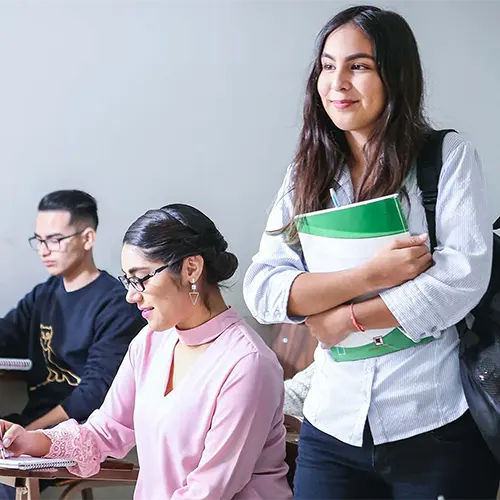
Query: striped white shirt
{"points": [[418, 389]]}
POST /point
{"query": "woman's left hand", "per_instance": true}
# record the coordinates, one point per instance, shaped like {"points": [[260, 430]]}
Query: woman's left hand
{"points": [[331, 327]]}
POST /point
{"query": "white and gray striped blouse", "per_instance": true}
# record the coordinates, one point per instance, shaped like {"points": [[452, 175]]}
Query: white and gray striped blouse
{"points": [[418, 389]]}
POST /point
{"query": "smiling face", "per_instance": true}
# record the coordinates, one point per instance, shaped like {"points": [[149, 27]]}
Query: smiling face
{"points": [[165, 301], [349, 85]]}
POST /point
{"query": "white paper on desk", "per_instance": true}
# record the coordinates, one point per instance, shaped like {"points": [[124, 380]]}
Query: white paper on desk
{"points": [[25, 462]]}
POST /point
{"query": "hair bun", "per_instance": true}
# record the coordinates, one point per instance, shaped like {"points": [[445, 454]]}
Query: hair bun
{"points": [[224, 266], [220, 244]]}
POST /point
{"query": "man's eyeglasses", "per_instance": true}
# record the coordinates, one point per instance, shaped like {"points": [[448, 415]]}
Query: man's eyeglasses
{"points": [[52, 244], [138, 283]]}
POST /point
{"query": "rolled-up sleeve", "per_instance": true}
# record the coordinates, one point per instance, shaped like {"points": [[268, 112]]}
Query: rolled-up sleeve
{"points": [[268, 280], [453, 286]]}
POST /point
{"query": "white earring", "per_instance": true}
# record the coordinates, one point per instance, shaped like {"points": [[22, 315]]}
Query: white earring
{"points": [[193, 294]]}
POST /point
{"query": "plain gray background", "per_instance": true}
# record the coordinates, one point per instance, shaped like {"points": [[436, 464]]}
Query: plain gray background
{"points": [[144, 103]]}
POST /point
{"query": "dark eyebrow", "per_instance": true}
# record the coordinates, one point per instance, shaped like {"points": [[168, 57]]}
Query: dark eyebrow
{"points": [[357, 55], [133, 270], [53, 235]]}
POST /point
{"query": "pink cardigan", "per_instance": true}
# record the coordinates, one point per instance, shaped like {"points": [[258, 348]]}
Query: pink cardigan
{"points": [[218, 435]]}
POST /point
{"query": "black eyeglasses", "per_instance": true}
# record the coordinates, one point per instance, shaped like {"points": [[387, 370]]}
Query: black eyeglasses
{"points": [[138, 283], [52, 244]]}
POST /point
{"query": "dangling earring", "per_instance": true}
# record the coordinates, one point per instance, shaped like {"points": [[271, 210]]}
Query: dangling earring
{"points": [[193, 294]]}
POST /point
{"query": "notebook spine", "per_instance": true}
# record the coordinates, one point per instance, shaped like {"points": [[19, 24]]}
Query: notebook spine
{"points": [[15, 364], [44, 465]]}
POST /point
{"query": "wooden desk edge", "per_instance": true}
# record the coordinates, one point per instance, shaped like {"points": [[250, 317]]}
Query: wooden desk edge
{"points": [[63, 473]]}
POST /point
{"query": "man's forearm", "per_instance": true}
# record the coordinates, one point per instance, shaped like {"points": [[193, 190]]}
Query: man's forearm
{"points": [[53, 417]]}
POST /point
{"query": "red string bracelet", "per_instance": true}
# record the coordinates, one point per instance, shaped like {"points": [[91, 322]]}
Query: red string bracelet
{"points": [[359, 327]]}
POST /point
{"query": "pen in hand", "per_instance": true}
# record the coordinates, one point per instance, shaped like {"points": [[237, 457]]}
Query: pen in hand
{"points": [[2, 449]]}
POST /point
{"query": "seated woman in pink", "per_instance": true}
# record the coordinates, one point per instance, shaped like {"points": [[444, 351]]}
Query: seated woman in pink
{"points": [[198, 392]]}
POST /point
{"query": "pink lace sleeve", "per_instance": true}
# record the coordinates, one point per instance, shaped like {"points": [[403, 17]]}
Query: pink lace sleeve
{"points": [[76, 442]]}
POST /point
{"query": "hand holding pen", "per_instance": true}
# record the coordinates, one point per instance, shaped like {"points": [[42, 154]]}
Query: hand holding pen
{"points": [[16, 440]]}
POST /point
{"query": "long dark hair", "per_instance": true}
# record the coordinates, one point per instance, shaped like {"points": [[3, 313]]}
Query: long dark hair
{"points": [[397, 134], [174, 232]]}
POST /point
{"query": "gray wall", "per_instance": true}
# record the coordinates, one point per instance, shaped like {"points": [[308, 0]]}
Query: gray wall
{"points": [[145, 103]]}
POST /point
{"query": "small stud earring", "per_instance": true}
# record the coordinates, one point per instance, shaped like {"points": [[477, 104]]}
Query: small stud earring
{"points": [[193, 294]]}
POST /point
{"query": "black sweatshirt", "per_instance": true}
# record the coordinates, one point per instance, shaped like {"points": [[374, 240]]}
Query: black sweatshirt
{"points": [[76, 341]]}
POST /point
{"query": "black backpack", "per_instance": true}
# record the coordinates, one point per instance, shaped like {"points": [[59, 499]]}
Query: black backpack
{"points": [[480, 331]]}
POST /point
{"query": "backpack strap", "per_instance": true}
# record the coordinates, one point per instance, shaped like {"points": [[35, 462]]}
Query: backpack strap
{"points": [[429, 164]]}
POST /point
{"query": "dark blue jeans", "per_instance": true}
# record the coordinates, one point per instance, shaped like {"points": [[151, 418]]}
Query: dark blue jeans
{"points": [[451, 461], [7, 492]]}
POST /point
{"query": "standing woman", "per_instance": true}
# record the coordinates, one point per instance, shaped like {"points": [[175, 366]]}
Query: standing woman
{"points": [[394, 426]]}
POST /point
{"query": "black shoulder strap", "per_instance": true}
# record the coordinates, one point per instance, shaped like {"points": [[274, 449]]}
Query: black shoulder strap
{"points": [[429, 163]]}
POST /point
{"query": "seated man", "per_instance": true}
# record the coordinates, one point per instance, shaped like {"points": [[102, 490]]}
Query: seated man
{"points": [[76, 326]]}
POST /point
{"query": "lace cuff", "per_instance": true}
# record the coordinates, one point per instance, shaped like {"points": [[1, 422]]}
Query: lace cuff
{"points": [[76, 442]]}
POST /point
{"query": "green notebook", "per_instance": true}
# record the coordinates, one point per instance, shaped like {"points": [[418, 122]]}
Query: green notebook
{"points": [[345, 237]]}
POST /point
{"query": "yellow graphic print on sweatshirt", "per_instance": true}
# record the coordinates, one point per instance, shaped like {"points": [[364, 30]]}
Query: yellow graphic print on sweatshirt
{"points": [[55, 372]]}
